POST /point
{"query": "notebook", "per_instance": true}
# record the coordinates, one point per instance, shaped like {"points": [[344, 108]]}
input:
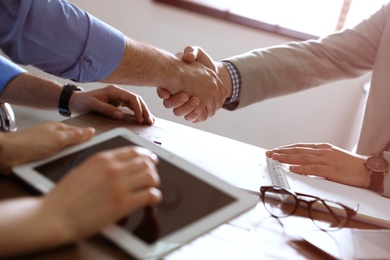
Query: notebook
{"points": [[227, 158], [373, 207]]}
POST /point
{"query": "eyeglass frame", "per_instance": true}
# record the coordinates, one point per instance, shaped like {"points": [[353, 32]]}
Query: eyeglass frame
{"points": [[350, 212]]}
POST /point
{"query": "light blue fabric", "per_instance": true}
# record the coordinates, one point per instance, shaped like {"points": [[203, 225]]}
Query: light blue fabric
{"points": [[8, 70], [59, 38]]}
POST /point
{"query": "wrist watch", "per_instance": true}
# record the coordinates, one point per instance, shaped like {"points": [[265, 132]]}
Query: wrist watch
{"points": [[67, 91], [378, 167]]}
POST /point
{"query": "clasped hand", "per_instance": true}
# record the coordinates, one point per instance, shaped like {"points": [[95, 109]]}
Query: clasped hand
{"points": [[204, 92]]}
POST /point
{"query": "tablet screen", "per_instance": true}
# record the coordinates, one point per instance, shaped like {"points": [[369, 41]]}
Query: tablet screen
{"points": [[186, 198]]}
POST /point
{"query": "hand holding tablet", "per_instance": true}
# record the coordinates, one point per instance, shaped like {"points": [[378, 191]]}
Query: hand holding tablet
{"points": [[194, 201], [102, 189], [99, 191]]}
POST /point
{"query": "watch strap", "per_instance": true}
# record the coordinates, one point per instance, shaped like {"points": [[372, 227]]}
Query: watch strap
{"points": [[67, 91], [386, 180], [376, 183]]}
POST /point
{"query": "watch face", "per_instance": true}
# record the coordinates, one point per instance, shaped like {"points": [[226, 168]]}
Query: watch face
{"points": [[377, 164]]}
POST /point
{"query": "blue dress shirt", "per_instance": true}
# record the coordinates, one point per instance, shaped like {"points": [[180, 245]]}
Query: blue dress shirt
{"points": [[59, 38], [8, 70]]}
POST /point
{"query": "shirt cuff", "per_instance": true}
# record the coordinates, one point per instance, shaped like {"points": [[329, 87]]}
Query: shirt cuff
{"points": [[8, 71], [235, 77], [102, 54]]}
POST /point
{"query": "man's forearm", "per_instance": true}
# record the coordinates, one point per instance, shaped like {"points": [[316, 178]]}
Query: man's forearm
{"points": [[32, 91], [145, 65]]}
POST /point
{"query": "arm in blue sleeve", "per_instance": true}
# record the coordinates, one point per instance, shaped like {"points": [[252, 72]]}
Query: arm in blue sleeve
{"points": [[59, 38], [8, 71]]}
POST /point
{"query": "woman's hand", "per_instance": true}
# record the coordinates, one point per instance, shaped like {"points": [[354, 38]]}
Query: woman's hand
{"points": [[324, 160]]}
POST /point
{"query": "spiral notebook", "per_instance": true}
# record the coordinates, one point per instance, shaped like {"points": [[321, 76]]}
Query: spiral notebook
{"points": [[373, 207]]}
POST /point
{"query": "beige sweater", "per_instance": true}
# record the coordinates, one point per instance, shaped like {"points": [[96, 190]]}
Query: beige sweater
{"points": [[288, 68]]}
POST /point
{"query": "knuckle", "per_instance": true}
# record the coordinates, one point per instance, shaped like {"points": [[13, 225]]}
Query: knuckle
{"points": [[117, 197], [156, 179], [111, 172], [78, 132], [149, 173], [151, 197], [134, 151], [314, 168], [104, 161], [151, 179], [111, 87], [101, 157]]}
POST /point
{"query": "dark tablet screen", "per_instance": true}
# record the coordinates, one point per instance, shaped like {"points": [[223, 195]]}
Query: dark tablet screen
{"points": [[185, 198]]}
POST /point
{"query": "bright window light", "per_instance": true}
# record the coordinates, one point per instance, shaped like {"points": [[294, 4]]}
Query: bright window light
{"points": [[296, 18]]}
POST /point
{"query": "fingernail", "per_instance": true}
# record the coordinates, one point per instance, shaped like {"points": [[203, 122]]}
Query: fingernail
{"points": [[183, 98], [118, 114], [194, 103]]}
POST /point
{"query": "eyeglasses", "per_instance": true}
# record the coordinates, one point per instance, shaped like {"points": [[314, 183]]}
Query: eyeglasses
{"points": [[325, 214]]}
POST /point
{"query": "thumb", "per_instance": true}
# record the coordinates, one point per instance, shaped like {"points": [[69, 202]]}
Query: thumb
{"points": [[190, 54], [194, 53]]}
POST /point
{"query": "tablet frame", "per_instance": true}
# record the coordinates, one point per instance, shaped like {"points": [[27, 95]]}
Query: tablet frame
{"points": [[125, 239]]}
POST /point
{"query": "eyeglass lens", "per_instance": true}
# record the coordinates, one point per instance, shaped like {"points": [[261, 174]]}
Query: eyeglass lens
{"points": [[326, 215], [280, 203]]}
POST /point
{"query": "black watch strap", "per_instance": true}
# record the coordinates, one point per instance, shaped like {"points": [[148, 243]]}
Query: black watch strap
{"points": [[67, 91]]}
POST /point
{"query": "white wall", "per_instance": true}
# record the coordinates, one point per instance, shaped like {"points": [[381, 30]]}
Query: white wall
{"points": [[324, 114]]}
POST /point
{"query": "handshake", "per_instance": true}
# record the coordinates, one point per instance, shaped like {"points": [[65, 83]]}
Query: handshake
{"points": [[204, 86]]}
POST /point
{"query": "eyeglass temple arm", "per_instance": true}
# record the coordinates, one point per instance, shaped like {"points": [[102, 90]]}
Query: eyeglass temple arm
{"points": [[334, 215]]}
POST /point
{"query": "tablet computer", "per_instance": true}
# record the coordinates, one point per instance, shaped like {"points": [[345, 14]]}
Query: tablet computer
{"points": [[194, 201]]}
